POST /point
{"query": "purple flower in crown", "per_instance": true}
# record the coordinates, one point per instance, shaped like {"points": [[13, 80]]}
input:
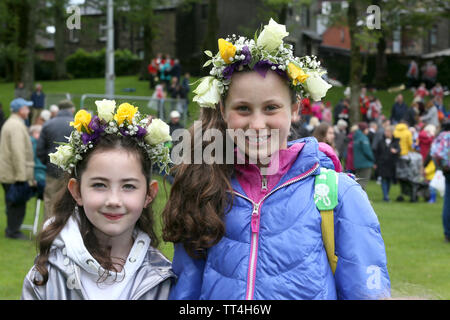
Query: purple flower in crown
{"points": [[228, 71], [265, 65], [97, 128], [141, 132]]}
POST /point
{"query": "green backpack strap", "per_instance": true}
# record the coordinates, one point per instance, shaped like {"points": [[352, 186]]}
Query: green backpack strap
{"points": [[326, 199]]}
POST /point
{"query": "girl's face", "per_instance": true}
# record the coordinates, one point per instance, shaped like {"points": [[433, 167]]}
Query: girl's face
{"points": [[113, 192], [260, 104], [330, 135]]}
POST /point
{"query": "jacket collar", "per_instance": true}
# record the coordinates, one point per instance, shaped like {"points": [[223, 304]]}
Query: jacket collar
{"points": [[300, 156]]}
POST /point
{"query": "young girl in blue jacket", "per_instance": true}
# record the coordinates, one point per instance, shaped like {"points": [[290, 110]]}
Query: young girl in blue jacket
{"points": [[250, 229]]}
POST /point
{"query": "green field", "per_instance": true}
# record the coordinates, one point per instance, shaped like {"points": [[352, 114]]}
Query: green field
{"points": [[418, 257]]}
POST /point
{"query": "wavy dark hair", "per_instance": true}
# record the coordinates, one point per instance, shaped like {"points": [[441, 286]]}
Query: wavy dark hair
{"points": [[65, 205], [201, 193]]}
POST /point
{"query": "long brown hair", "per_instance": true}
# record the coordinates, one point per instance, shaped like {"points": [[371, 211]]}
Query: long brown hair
{"points": [[194, 212], [65, 206], [200, 195]]}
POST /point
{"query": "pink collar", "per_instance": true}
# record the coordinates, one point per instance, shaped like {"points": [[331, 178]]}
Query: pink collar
{"points": [[254, 184]]}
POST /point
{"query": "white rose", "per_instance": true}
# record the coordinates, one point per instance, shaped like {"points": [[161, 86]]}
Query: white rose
{"points": [[61, 156], [207, 92], [272, 36], [105, 109], [157, 132], [316, 86]]}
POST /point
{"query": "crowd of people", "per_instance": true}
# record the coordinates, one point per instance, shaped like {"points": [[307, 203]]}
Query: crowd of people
{"points": [[394, 149], [167, 82]]}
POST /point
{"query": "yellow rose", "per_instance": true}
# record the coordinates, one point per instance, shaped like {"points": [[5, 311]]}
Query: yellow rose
{"points": [[296, 74], [82, 120], [227, 50], [125, 112]]}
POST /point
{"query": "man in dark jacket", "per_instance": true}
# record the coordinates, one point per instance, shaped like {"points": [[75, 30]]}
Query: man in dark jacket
{"points": [[387, 151], [54, 130], [363, 159], [399, 109]]}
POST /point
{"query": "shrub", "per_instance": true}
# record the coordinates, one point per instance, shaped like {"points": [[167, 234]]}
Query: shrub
{"points": [[83, 64]]}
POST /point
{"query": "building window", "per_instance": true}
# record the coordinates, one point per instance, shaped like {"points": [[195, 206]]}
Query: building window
{"points": [[433, 36], [304, 20], [73, 35], [102, 30]]}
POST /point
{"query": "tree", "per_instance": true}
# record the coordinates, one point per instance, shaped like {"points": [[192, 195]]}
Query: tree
{"points": [[59, 16]]}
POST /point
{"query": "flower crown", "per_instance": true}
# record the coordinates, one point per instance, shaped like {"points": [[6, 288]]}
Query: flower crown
{"points": [[266, 52], [125, 121]]}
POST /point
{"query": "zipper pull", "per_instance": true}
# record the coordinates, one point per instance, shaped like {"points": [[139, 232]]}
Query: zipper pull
{"points": [[264, 183], [255, 218]]}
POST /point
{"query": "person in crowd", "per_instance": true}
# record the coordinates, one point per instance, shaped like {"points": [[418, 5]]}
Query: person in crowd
{"points": [[429, 74], [316, 109], [298, 128], [39, 168], [176, 92], [411, 115], [324, 132], [222, 250], [429, 170], [340, 139], [175, 71], [431, 115], [437, 91], [421, 92], [425, 139], [43, 117], [313, 124], [412, 75], [349, 160], [364, 103], [16, 165], [20, 91], [152, 69], [38, 98], [158, 98], [53, 110], [305, 110], [387, 151], [398, 109], [402, 172], [327, 114], [374, 110], [164, 70], [442, 112], [440, 152], [174, 123], [54, 132], [101, 242], [363, 158]]}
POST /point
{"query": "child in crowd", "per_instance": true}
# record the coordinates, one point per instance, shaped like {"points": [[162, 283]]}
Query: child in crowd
{"points": [[101, 244], [251, 230]]}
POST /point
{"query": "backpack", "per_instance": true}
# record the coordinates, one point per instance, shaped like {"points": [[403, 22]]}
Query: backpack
{"points": [[326, 199]]}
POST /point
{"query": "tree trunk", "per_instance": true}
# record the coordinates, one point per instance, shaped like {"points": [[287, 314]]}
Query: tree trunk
{"points": [[60, 33], [27, 41], [355, 63], [210, 42], [381, 64]]}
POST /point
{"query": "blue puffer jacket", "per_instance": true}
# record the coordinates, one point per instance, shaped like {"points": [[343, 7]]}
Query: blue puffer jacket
{"points": [[273, 249]]}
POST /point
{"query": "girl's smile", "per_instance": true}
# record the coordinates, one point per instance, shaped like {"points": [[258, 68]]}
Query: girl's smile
{"points": [[113, 192], [262, 108]]}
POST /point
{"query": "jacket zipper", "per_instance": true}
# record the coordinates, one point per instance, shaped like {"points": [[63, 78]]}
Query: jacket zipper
{"points": [[255, 218]]}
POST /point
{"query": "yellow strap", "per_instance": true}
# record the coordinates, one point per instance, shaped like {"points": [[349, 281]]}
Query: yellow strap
{"points": [[328, 237]]}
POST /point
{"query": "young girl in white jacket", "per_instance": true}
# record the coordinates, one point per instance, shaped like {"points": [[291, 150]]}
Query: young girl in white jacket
{"points": [[100, 242]]}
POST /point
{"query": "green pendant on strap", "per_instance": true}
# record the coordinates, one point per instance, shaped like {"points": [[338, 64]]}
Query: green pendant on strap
{"points": [[326, 199]]}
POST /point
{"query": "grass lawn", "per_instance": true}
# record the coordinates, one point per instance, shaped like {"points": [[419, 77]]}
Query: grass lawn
{"points": [[418, 257]]}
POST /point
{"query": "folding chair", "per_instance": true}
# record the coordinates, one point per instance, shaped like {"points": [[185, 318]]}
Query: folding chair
{"points": [[34, 226]]}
